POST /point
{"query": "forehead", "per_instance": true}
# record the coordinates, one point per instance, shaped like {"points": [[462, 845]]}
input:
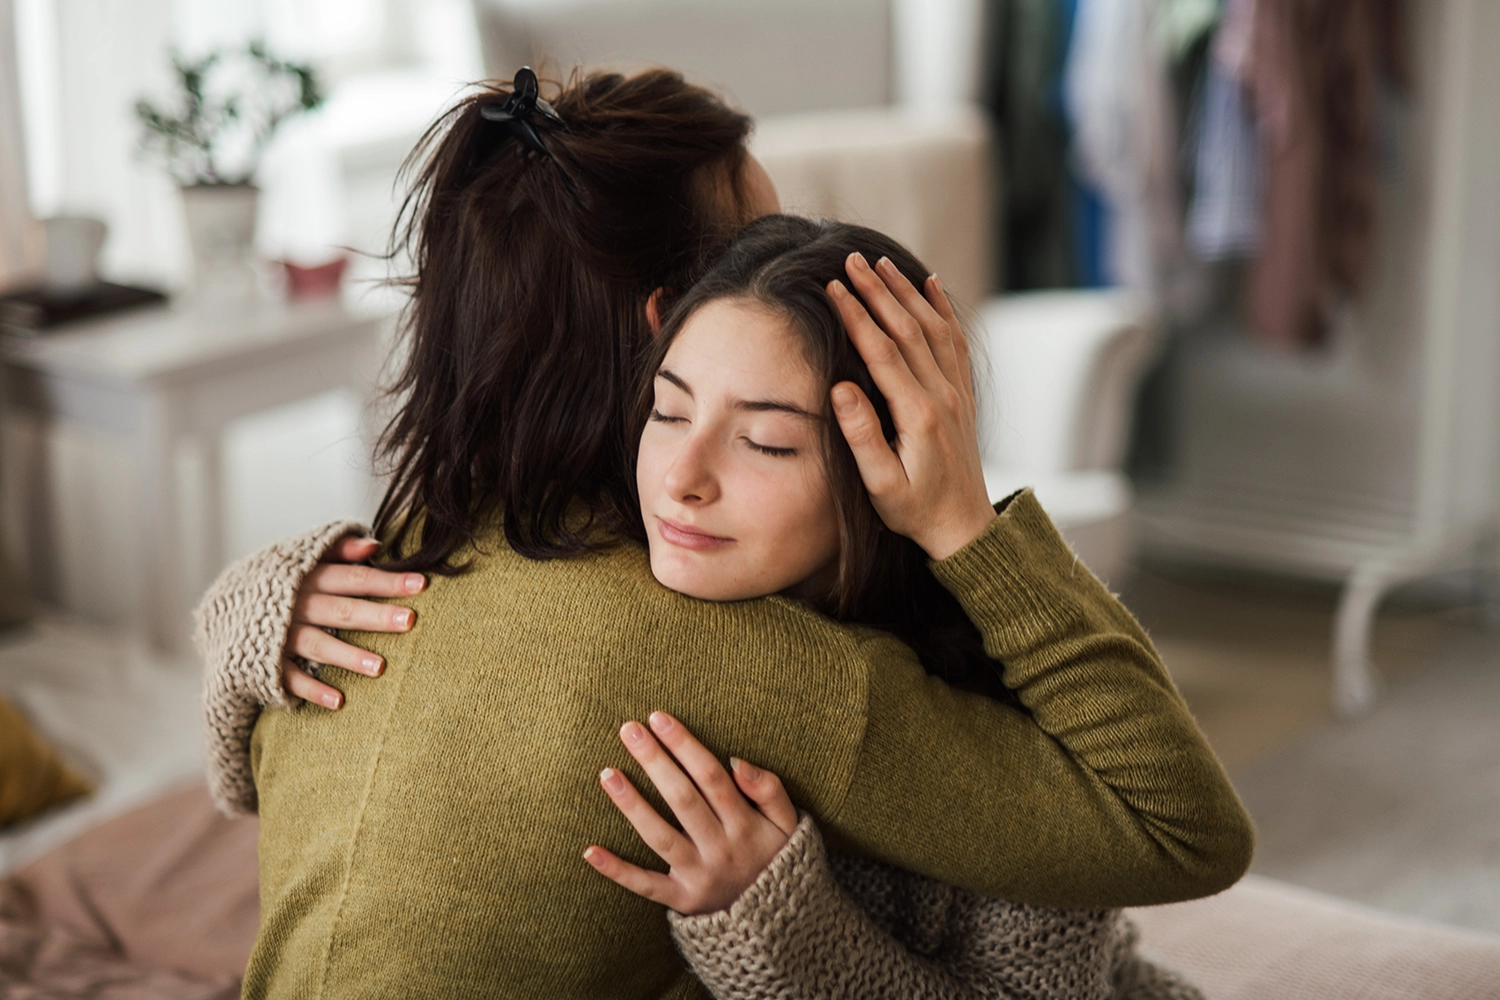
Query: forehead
{"points": [[743, 348]]}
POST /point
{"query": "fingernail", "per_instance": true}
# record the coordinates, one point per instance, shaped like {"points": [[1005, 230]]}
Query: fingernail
{"points": [[844, 401], [885, 264], [632, 732], [662, 722], [937, 283], [402, 618], [372, 664], [744, 769], [858, 260], [332, 699], [612, 781], [837, 289], [414, 582], [593, 857]]}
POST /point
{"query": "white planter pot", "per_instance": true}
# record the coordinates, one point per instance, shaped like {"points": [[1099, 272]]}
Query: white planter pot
{"points": [[72, 265], [221, 230]]}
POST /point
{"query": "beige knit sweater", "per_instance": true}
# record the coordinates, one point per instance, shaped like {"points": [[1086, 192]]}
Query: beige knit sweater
{"points": [[825, 926], [814, 926], [242, 625]]}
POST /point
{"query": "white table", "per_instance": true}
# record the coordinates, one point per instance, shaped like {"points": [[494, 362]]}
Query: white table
{"points": [[161, 377]]}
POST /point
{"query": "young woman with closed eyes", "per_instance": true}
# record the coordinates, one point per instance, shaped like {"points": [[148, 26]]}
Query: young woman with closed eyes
{"points": [[744, 488]]}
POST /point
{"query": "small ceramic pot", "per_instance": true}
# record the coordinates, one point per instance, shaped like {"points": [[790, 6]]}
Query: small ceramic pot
{"points": [[221, 230], [71, 270]]}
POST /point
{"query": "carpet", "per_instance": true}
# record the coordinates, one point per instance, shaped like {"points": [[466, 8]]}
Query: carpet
{"points": [[1399, 809]]}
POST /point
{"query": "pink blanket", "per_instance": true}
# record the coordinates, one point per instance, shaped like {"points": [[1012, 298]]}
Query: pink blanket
{"points": [[158, 903]]}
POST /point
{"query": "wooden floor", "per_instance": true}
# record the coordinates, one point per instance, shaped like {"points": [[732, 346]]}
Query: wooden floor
{"points": [[1251, 656]]}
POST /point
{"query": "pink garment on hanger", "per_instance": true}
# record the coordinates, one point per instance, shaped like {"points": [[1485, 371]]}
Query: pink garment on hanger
{"points": [[1313, 72]]}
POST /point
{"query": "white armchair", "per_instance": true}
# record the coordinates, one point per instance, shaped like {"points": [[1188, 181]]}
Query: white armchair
{"points": [[1055, 409]]}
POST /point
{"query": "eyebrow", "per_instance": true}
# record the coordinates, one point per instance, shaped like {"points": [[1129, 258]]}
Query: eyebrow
{"points": [[753, 405], [672, 377]]}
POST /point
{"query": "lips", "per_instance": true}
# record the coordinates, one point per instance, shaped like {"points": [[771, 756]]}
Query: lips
{"points": [[689, 538]]}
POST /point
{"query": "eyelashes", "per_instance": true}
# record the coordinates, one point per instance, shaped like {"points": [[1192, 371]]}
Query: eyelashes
{"points": [[766, 449], [658, 417]]}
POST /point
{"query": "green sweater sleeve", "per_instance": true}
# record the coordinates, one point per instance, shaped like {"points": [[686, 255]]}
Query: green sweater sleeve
{"points": [[1106, 794]]}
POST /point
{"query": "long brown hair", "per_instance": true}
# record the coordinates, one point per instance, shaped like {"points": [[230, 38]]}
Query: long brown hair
{"points": [[531, 273], [785, 263]]}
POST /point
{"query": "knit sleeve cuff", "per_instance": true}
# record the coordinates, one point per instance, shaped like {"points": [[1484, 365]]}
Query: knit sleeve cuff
{"points": [[241, 628], [1018, 578], [800, 862], [759, 941]]}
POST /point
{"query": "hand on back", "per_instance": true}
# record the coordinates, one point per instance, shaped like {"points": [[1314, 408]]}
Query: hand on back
{"points": [[331, 597], [732, 826], [930, 485]]}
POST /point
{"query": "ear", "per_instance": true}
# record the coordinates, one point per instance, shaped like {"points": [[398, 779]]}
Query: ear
{"points": [[653, 311]]}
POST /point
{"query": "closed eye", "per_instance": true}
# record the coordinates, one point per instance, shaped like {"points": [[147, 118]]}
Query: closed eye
{"points": [[661, 418], [766, 449]]}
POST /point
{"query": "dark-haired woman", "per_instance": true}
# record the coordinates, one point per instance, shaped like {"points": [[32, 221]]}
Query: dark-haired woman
{"points": [[749, 486], [414, 842]]}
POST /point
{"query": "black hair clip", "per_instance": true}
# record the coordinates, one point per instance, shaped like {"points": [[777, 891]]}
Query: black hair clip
{"points": [[516, 112]]}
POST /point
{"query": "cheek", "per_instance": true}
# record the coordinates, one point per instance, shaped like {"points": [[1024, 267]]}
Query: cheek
{"points": [[808, 526], [823, 521], [652, 460]]}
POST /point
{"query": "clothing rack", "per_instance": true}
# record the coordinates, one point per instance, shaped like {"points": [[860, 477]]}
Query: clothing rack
{"points": [[1377, 461]]}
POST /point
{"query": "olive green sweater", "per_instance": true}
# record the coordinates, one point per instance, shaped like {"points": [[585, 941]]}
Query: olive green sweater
{"points": [[425, 840]]}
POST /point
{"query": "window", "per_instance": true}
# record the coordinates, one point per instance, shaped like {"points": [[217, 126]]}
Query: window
{"points": [[389, 66]]}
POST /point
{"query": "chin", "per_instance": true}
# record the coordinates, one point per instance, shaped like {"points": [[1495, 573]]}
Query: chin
{"points": [[690, 578]]}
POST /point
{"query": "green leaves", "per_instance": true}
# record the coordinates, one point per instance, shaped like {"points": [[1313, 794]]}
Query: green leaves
{"points": [[227, 106]]}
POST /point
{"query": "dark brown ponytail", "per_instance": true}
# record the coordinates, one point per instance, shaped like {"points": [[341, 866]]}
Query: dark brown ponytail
{"points": [[527, 305]]}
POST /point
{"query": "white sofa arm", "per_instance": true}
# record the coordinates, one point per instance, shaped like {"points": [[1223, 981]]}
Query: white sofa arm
{"points": [[1062, 370], [1267, 940], [1057, 374]]}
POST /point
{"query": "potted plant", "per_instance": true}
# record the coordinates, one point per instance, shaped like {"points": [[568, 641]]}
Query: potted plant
{"points": [[225, 109]]}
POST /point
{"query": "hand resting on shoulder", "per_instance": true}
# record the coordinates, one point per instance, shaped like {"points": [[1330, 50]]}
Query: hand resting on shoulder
{"points": [[331, 597]]}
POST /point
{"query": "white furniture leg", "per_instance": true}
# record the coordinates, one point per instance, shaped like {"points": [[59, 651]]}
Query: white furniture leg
{"points": [[211, 452], [1354, 676], [1354, 686], [33, 475], [161, 558]]}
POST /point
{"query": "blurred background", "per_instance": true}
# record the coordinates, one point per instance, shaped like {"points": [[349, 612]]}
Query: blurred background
{"points": [[1234, 264]]}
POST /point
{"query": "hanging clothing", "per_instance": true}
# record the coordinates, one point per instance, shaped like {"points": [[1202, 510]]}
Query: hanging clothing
{"points": [[1025, 43], [1090, 218], [1181, 24], [1233, 37], [1124, 133], [1313, 71], [1225, 218]]}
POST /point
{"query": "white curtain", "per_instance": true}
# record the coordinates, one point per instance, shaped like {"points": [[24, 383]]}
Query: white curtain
{"points": [[83, 64], [17, 230]]}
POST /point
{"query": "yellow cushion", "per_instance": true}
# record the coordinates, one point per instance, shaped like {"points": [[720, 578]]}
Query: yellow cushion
{"points": [[33, 778]]}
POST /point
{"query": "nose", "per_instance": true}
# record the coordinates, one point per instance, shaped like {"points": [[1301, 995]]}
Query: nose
{"points": [[692, 478]]}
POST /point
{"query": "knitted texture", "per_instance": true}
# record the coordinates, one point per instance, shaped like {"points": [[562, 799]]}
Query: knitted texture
{"points": [[405, 838], [816, 926], [241, 628]]}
